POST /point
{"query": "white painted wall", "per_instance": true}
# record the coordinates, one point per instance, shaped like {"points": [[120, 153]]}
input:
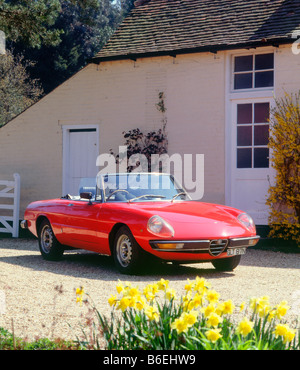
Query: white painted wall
{"points": [[121, 95]]}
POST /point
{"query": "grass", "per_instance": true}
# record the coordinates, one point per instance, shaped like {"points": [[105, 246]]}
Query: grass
{"points": [[9, 342]]}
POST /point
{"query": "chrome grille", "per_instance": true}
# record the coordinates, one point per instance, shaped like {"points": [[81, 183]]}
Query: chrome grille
{"points": [[217, 246]]}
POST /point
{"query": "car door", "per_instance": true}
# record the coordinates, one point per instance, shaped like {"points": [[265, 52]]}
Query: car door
{"points": [[82, 226]]}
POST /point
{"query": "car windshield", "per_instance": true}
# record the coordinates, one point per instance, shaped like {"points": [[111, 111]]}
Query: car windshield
{"points": [[140, 187]]}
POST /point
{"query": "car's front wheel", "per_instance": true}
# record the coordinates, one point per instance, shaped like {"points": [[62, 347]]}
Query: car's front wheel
{"points": [[128, 255], [226, 264], [50, 248]]}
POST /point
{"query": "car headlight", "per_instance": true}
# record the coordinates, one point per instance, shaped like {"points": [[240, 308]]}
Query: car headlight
{"points": [[247, 221], [158, 226]]}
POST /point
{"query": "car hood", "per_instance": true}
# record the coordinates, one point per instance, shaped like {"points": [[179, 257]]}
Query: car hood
{"points": [[197, 219]]}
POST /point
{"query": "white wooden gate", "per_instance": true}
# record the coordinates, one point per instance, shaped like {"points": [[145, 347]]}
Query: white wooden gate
{"points": [[10, 190]]}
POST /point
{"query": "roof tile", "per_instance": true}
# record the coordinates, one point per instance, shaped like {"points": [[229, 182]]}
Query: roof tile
{"points": [[160, 26]]}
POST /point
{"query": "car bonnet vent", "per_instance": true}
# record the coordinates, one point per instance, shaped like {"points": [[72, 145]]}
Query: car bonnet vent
{"points": [[216, 247]]}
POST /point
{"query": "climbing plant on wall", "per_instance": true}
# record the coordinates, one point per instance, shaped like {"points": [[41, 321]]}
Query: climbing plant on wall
{"points": [[146, 143]]}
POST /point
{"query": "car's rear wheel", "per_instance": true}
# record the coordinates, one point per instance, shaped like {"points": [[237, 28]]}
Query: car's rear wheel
{"points": [[226, 264], [128, 255], [50, 248]]}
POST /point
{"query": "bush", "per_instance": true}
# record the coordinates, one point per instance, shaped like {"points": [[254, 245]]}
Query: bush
{"points": [[155, 319], [284, 195]]}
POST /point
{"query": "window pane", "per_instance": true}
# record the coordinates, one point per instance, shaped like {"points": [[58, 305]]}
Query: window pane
{"points": [[261, 112], [242, 64], [264, 61], [261, 135], [244, 113], [264, 79], [244, 159], [261, 157], [243, 81], [244, 135]]}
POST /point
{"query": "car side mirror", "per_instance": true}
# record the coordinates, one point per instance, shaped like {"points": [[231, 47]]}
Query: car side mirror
{"points": [[87, 195]]}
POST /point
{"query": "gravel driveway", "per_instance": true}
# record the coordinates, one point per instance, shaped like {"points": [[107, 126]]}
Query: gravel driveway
{"points": [[40, 296]]}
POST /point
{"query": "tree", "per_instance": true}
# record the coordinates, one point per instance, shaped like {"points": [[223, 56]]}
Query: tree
{"points": [[28, 21], [284, 195], [85, 27], [17, 90]]}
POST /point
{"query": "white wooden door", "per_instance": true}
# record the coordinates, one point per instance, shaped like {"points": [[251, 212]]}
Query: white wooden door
{"points": [[81, 148], [251, 170]]}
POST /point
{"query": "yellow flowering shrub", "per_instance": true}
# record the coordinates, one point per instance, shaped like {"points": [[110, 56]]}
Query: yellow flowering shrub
{"points": [[284, 194]]}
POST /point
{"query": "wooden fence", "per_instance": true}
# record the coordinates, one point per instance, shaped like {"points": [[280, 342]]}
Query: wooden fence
{"points": [[10, 203]]}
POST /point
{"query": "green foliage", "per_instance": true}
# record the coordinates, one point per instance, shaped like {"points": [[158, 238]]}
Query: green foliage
{"points": [[9, 342], [17, 90], [29, 21], [84, 26], [284, 195]]}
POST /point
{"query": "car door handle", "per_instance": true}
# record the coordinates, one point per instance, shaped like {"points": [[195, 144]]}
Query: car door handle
{"points": [[70, 205]]}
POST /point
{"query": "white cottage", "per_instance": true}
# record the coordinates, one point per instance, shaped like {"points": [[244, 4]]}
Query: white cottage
{"points": [[219, 64]]}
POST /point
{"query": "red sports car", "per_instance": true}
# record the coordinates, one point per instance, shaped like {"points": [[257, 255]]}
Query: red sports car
{"points": [[135, 215]]}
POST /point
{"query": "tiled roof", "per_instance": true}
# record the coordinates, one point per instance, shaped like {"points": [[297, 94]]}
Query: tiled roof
{"points": [[162, 27]]}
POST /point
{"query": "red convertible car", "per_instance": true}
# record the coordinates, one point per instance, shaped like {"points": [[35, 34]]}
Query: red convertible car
{"points": [[135, 215]]}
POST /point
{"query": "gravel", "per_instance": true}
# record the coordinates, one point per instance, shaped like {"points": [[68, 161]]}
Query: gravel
{"points": [[37, 297]]}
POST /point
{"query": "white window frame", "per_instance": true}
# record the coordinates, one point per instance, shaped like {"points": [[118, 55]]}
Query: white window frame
{"points": [[231, 96], [253, 71]]}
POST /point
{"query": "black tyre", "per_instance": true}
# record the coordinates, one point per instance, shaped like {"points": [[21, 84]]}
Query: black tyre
{"points": [[226, 264], [128, 255], [50, 248]]}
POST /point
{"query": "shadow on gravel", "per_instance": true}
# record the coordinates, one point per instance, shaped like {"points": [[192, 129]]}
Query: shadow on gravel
{"points": [[94, 266]]}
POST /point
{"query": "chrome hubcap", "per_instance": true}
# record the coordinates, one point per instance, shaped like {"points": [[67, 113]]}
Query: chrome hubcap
{"points": [[46, 239], [124, 250]]}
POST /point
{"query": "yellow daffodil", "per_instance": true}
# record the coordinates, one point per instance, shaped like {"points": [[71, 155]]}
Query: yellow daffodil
{"points": [[124, 303], [152, 313], [228, 307], [133, 292], [213, 335], [214, 320], [190, 318], [284, 331], [188, 287], [112, 300], [212, 296], [242, 306], [140, 303], [195, 302], [220, 309], [260, 305], [79, 295], [80, 291], [208, 310], [120, 287], [163, 284], [245, 327], [280, 330], [170, 294], [281, 309], [200, 285], [289, 335], [179, 325]]}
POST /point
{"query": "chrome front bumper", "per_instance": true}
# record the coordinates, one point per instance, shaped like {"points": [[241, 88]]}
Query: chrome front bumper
{"points": [[214, 247], [24, 224]]}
